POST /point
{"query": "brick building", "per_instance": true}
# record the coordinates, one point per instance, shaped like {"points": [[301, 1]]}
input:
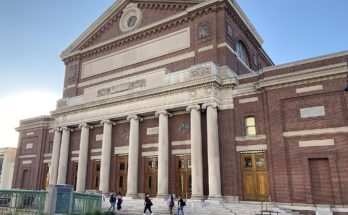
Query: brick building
{"points": [[179, 97]]}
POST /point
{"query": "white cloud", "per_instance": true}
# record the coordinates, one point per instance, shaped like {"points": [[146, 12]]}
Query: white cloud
{"points": [[21, 106]]}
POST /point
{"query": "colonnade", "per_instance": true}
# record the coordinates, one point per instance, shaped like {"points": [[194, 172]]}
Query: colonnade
{"points": [[61, 151]]}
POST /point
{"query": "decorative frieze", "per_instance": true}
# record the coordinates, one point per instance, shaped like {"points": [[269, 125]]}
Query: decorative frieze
{"points": [[121, 87]]}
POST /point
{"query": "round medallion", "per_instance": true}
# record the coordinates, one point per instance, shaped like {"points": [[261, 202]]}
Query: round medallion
{"points": [[131, 18]]}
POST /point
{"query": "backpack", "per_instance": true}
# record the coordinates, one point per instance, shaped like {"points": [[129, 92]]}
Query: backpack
{"points": [[183, 203]]}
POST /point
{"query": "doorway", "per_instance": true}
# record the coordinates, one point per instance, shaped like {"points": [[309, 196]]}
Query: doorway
{"points": [[254, 171], [183, 185], [121, 174], [96, 175], [151, 169]]}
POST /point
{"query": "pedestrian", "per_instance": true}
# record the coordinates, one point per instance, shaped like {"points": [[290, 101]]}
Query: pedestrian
{"points": [[170, 203], [181, 205], [147, 203], [112, 201], [119, 201]]}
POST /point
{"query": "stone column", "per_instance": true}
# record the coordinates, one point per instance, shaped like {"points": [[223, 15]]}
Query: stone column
{"points": [[133, 157], [196, 152], [213, 151], [83, 158], [106, 156], [64, 154], [163, 157], [55, 156]]}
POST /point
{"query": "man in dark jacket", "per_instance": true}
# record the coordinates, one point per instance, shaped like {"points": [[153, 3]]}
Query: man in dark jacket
{"points": [[112, 201], [147, 203]]}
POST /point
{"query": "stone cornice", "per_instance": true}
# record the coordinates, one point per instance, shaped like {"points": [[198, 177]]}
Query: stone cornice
{"points": [[37, 125], [304, 75], [69, 55]]}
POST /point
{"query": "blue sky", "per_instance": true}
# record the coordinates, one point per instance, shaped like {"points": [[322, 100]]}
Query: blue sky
{"points": [[34, 33]]}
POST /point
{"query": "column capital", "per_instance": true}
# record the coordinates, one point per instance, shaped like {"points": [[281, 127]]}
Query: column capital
{"points": [[163, 112], [210, 104], [135, 117], [67, 129], [189, 108], [57, 129], [107, 121], [85, 125]]}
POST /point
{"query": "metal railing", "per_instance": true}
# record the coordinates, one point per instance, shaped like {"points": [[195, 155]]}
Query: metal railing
{"points": [[86, 203], [22, 202]]}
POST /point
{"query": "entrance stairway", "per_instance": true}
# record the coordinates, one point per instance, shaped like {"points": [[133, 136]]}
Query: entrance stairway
{"points": [[136, 206]]}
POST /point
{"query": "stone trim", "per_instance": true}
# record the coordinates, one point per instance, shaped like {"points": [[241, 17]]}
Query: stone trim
{"points": [[27, 162], [75, 152], [69, 86], [121, 150], [258, 147], [96, 150], [316, 131], [48, 155], [74, 158], [139, 69], [206, 48], [30, 133], [149, 154], [310, 60], [181, 143], [248, 100], [96, 157], [28, 156], [152, 131], [311, 143], [47, 161], [170, 43], [250, 138], [309, 89], [181, 151], [149, 145]]}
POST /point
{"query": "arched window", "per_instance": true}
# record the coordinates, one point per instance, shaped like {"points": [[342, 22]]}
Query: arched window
{"points": [[250, 128], [242, 52]]}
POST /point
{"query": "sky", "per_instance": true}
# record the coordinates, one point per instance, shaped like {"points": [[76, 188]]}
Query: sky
{"points": [[34, 33]]}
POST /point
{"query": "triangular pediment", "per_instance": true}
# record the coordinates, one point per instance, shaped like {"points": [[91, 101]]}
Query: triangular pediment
{"points": [[125, 17]]}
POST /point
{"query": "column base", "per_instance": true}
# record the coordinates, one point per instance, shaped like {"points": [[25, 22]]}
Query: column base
{"points": [[162, 196], [197, 197], [131, 196], [215, 199]]}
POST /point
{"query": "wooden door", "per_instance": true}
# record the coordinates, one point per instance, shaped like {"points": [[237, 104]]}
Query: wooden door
{"points": [[151, 176], [121, 174], [96, 175], [74, 174], [183, 185], [254, 176], [46, 176]]}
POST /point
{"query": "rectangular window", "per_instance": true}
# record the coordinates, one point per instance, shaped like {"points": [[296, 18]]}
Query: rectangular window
{"points": [[250, 128]]}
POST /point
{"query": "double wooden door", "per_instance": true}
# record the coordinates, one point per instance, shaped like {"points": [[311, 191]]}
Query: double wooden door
{"points": [[183, 185], [254, 176], [151, 169], [96, 175], [121, 174]]}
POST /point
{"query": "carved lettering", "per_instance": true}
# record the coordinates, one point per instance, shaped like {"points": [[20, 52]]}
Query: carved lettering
{"points": [[121, 87], [200, 72]]}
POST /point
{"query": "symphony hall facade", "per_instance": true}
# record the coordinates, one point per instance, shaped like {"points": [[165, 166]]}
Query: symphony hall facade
{"points": [[173, 96]]}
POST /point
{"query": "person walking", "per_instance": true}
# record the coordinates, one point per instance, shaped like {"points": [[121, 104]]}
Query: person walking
{"points": [[112, 201], [119, 201], [170, 203], [181, 204], [147, 203]]}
